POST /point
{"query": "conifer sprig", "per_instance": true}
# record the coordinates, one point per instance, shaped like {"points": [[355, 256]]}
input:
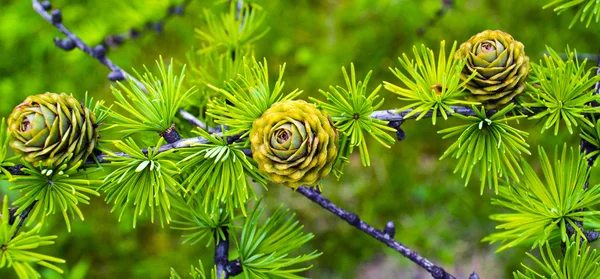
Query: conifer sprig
{"points": [[247, 97], [16, 251], [541, 211], [141, 181], [592, 136], [580, 261], [430, 85], [490, 143], [197, 224], [587, 10], [153, 105], [265, 249], [234, 30], [196, 273], [220, 170], [564, 89], [61, 189], [350, 110]]}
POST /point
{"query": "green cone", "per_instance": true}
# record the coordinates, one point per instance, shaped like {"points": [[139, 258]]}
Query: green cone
{"points": [[51, 129], [294, 143], [500, 64]]}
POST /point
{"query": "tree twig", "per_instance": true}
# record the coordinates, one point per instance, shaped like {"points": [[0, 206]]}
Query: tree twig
{"points": [[385, 238], [222, 254], [72, 41], [114, 41], [587, 148]]}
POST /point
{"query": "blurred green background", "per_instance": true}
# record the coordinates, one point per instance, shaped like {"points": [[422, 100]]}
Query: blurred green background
{"points": [[433, 212]]}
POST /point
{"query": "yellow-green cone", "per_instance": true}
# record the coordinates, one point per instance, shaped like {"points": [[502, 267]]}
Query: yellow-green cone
{"points": [[294, 143], [500, 64], [52, 129]]}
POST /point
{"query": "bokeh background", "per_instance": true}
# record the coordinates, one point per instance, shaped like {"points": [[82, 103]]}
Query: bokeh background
{"points": [[433, 212]]}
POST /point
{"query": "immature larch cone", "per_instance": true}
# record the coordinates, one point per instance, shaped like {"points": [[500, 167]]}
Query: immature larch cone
{"points": [[294, 143], [500, 64], [52, 129]]}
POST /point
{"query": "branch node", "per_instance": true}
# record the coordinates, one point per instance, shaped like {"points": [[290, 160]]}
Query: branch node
{"points": [[234, 267], [390, 229], [99, 51], [134, 33], [438, 272], [46, 5], [64, 44], [116, 75], [353, 219], [400, 134], [56, 17], [171, 135]]}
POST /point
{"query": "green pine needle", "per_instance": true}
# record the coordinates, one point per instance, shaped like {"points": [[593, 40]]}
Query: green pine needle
{"points": [[232, 32], [579, 262], [152, 108], [592, 135], [264, 250], [589, 9], [564, 89], [430, 85], [141, 180], [220, 171], [4, 160], [350, 109], [16, 252], [198, 224], [60, 189], [490, 143], [211, 68], [246, 98], [196, 273], [540, 211]]}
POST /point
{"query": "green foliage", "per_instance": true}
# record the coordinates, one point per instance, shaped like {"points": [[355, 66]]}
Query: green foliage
{"points": [[198, 224], [195, 273], [152, 107], [563, 89], [62, 188], [264, 250], [249, 96], [490, 143], [579, 262], [587, 8], [233, 31], [350, 109], [141, 180], [591, 134], [4, 140], [15, 250], [220, 171], [541, 211], [430, 86], [224, 44], [212, 68]]}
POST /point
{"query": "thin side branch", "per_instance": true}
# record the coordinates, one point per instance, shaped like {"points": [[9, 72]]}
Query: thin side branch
{"points": [[114, 41], [222, 255], [385, 238], [98, 52], [72, 41]]}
